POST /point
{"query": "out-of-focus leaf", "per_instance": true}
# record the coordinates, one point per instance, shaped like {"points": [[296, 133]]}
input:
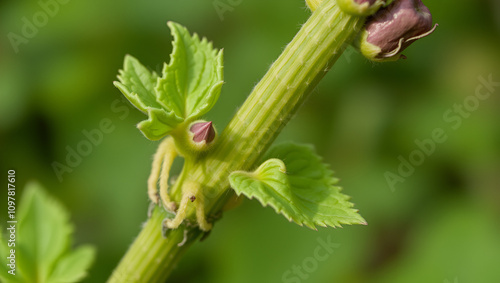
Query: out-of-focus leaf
{"points": [[43, 233], [73, 266], [43, 237]]}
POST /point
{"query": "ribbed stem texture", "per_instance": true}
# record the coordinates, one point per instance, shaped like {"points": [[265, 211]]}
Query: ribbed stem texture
{"points": [[151, 258], [276, 98]]}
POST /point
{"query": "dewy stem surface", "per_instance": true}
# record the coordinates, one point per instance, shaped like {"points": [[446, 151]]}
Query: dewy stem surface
{"points": [[274, 100]]}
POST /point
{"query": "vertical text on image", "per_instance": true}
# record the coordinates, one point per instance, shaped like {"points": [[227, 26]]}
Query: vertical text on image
{"points": [[11, 221]]}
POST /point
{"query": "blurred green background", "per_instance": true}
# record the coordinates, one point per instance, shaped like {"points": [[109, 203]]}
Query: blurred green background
{"points": [[442, 224]]}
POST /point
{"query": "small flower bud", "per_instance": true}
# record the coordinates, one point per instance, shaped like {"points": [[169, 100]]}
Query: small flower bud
{"points": [[360, 7], [392, 29], [202, 132]]}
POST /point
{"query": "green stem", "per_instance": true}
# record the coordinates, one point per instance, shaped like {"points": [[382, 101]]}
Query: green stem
{"points": [[275, 99], [151, 258], [279, 94]]}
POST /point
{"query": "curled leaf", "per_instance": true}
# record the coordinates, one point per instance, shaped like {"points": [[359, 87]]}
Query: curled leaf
{"points": [[299, 186]]}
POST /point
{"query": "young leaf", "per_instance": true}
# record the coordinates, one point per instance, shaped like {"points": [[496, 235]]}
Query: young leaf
{"points": [[192, 81], [189, 87], [301, 188], [137, 84], [43, 237], [159, 124]]}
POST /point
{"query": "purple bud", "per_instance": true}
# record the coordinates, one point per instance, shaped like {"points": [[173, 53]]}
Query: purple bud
{"points": [[203, 131], [392, 29]]}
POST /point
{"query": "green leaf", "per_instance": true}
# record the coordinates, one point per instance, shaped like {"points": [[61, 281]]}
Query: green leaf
{"points": [[159, 124], [192, 81], [73, 266], [301, 188], [189, 87], [43, 235], [137, 84]]}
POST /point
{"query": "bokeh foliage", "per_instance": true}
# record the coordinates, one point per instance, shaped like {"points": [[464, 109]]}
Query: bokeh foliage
{"points": [[442, 223]]}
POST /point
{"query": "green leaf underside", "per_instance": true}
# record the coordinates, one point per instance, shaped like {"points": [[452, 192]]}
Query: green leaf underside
{"points": [[300, 187], [159, 124], [192, 82], [137, 84], [188, 88], [43, 242]]}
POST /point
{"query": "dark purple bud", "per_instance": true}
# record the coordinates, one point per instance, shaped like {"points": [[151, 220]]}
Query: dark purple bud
{"points": [[392, 29], [203, 131]]}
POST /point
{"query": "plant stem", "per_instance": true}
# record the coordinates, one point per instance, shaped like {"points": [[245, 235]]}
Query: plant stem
{"points": [[274, 100], [151, 258], [279, 94]]}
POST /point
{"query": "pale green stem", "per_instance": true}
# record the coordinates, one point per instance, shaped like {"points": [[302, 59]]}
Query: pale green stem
{"points": [[151, 258], [279, 94]]}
